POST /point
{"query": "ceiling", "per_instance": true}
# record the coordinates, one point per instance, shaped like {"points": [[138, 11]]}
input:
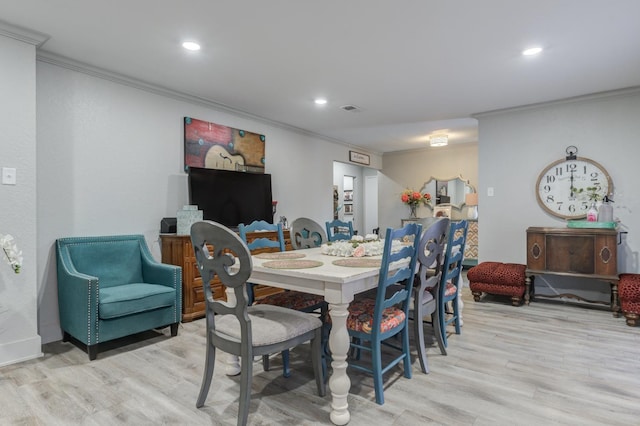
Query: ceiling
{"points": [[412, 67]]}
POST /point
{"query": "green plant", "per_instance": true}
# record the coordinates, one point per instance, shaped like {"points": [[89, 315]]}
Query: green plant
{"points": [[592, 192]]}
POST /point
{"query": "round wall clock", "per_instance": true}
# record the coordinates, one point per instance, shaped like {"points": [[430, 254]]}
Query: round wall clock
{"points": [[564, 187]]}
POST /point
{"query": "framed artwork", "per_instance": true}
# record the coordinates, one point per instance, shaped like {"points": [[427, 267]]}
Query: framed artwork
{"points": [[442, 211], [348, 209], [214, 146], [357, 157], [441, 187]]}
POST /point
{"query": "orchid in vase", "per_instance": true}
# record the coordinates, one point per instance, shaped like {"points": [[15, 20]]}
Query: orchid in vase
{"points": [[13, 255]]}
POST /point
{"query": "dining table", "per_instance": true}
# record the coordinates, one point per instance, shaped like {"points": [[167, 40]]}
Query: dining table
{"points": [[337, 279]]}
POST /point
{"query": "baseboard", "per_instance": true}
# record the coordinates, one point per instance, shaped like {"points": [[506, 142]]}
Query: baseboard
{"points": [[20, 351]]}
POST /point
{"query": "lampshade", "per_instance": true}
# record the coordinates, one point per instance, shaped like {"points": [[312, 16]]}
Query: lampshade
{"points": [[439, 140], [471, 199]]}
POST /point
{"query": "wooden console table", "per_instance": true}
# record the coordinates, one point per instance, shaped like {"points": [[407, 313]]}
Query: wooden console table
{"points": [[177, 250], [574, 252]]}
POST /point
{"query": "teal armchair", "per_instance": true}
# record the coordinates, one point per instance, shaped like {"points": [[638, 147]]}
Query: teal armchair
{"points": [[110, 287]]}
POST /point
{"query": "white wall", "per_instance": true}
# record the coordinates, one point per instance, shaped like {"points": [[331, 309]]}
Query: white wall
{"points": [[19, 338], [516, 145], [412, 169], [110, 161]]}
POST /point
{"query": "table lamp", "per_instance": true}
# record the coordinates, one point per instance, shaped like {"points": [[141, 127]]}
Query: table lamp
{"points": [[471, 200]]}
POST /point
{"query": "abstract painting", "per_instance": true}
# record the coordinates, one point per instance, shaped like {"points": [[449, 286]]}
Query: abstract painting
{"points": [[214, 146]]}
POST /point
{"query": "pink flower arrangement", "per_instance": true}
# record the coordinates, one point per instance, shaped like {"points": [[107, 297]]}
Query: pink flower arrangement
{"points": [[413, 198]]}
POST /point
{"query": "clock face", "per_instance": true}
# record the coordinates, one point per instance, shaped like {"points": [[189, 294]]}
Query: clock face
{"points": [[562, 187]]}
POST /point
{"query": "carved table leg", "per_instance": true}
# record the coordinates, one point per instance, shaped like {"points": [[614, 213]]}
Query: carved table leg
{"points": [[615, 302], [339, 382]]}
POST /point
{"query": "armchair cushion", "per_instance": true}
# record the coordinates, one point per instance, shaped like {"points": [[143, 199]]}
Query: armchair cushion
{"points": [[98, 260], [128, 299]]}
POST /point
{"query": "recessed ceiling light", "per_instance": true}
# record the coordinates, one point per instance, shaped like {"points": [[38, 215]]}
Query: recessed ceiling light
{"points": [[532, 51], [320, 101], [191, 45]]}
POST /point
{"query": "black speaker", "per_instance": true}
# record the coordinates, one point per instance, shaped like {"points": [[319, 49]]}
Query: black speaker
{"points": [[168, 225]]}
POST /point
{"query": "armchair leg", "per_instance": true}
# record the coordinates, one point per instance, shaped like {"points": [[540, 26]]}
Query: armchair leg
{"points": [[92, 350], [174, 329]]}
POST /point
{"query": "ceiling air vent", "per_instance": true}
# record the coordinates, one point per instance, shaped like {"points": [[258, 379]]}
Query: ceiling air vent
{"points": [[350, 108]]}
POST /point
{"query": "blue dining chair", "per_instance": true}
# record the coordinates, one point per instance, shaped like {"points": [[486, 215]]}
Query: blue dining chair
{"points": [[373, 322], [297, 300], [450, 281], [339, 230]]}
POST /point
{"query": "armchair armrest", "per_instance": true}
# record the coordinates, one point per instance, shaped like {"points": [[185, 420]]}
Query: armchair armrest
{"points": [[79, 291], [160, 273]]}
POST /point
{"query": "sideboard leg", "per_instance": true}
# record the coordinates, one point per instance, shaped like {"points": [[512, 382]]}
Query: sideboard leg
{"points": [[615, 303], [527, 289]]}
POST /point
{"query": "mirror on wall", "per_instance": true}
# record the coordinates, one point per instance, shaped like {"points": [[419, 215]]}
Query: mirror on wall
{"points": [[448, 192]]}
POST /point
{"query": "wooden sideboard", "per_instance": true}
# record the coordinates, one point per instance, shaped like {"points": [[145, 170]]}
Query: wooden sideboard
{"points": [[177, 250], [574, 252]]}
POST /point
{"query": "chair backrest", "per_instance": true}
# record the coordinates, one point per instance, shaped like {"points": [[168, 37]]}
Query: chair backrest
{"points": [[431, 254], [262, 243], [339, 230], [115, 260], [217, 248], [453, 256], [398, 267], [305, 233]]}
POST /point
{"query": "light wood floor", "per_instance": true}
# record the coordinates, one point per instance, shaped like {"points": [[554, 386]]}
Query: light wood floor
{"points": [[547, 363]]}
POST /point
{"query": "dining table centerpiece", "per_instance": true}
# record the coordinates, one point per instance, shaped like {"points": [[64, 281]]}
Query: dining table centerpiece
{"points": [[413, 199]]}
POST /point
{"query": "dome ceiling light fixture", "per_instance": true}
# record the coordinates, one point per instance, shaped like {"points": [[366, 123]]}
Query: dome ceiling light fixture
{"points": [[439, 140]]}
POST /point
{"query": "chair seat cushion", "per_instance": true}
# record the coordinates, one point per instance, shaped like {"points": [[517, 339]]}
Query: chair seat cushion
{"points": [[128, 299], [361, 316], [293, 300], [269, 324]]}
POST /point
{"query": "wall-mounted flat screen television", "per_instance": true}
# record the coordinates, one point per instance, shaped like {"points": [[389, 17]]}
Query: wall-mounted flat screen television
{"points": [[230, 197]]}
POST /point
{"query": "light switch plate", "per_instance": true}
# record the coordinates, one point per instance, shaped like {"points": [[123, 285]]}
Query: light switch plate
{"points": [[8, 176]]}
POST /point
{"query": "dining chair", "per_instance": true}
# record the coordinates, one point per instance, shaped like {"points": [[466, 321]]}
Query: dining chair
{"points": [[240, 329], [426, 286], [450, 280], [297, 300], [339, 230], [373, 322], [306, 233]]}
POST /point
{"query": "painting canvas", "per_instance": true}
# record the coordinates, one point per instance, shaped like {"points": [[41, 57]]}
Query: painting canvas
{"points": [[214, 146]]}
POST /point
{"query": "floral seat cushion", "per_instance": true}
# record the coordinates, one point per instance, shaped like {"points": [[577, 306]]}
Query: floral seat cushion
{"points": [[293, 300], [361, 316]]}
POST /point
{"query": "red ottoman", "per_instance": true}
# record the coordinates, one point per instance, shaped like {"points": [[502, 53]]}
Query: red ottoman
{"points": [[506, 279], [629, 295]]}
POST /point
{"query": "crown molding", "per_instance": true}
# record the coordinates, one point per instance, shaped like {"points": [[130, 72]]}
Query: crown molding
{"points": [[22, 34], [73, 65], [582, 98]]}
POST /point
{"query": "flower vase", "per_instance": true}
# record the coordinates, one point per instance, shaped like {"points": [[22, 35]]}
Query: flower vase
{"points": [[413, 214]]}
